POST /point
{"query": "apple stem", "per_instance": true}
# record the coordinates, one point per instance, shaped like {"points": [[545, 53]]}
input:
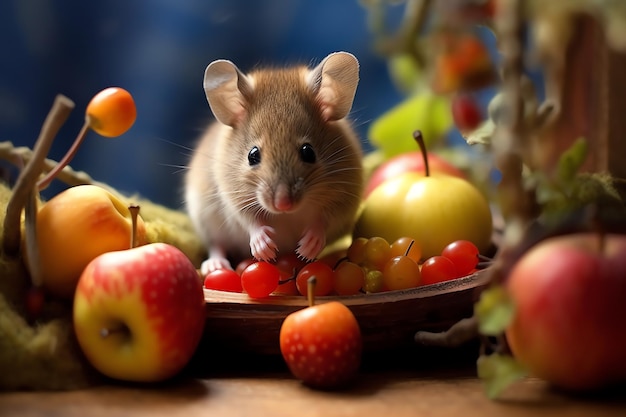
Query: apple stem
{"points": [[417, 135], [134, 213], [310, 289], [80, 138]]}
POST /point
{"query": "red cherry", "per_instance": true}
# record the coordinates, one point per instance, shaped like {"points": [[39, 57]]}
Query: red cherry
{"points": [[260, 279], [438, 269], [223, 280]]}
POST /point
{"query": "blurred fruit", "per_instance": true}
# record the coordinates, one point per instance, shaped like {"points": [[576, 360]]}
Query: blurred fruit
{"points": [[430, 113], [568, 325], [461, 61], [76, 226], [466, 113]]}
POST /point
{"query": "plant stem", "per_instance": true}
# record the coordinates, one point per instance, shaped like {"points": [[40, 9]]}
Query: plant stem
{"points": [[310, 289], [80, 138], [134, 214], [417, 135], [60, 111]]}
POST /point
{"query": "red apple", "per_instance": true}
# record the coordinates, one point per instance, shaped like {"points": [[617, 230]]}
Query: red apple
{"points": [[139, 313], [409, 162], [570, 294], [322, 345]]}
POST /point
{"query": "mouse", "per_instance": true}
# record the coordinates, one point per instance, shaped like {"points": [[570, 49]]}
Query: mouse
{"points": [[279, 170]]}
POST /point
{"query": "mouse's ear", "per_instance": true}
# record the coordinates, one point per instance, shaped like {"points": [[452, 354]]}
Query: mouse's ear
{"points": [[334, 82], [226, 90]]}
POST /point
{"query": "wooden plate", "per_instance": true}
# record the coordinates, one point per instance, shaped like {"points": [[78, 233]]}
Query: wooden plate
{"points": [[388, 320]]}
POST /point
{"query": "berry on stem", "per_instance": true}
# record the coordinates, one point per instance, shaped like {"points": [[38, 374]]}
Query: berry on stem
{"points": [[110, 113]]}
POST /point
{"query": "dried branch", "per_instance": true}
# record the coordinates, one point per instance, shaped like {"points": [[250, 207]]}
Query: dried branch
{"points": [[404, 40], [60, 111], [68, 175]]}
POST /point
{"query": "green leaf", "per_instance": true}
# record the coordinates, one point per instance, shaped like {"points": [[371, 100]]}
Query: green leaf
{"points": [[571, 160], [494, 311], [497, 372], [393, 131]]}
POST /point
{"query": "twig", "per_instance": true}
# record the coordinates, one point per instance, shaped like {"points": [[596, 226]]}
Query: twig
{"points": [[60, 111], [404, 40], [460, 333], [69, 176]]}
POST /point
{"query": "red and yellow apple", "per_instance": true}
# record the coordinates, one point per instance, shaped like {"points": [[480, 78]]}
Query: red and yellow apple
{"points": [[139, 313], [74, 227], [569, 293], [434, 211], [409, 162]]}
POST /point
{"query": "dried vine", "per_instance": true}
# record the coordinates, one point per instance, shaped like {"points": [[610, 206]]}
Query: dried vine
{"points": [[60, 111]]}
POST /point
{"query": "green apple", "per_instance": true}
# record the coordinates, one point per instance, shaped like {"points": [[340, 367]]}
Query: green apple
{"points": [[434, 210], [139, 313], [74, 227]]}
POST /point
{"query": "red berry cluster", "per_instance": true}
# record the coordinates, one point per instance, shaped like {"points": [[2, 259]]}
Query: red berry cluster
{"points": [[369, 266]]}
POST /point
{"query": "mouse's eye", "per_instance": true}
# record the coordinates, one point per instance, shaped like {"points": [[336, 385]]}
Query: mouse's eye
{"points": [[307, 154], [254, 156]]}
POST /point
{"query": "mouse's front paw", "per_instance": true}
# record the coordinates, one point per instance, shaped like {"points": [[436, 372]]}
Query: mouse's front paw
{"points": [[262, 245], [311, 243], [213, 264]]}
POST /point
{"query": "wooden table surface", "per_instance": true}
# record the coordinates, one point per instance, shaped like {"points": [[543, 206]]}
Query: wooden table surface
{"points": [[398, 386]]}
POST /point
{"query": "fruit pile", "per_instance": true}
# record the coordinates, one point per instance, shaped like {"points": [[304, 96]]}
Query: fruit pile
{"points": [[92, 266], [368, 266]]}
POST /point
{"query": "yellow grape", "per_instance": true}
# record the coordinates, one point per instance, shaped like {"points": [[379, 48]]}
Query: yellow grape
{"points": [[348, 278], [401, 272], [356, 251], [400, 246], [373, 281], [377, 252]]}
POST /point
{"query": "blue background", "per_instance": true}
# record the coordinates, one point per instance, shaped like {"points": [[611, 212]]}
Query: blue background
{"points": [[158, 50]]}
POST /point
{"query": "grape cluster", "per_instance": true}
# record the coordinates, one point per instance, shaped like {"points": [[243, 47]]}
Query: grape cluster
{"points": [[368, 266]]}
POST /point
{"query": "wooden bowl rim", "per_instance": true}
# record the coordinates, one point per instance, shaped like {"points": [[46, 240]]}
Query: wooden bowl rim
{"points": [[475, 280]]}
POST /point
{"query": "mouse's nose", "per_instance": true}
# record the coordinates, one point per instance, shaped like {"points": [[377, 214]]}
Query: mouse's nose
{"points": [[282, 198]]}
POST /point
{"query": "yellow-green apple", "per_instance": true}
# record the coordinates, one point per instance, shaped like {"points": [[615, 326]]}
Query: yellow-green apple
{"points": [[139, 313], [433, 210], [569, 294], [322, 345], [74, 227], [409, 162]]}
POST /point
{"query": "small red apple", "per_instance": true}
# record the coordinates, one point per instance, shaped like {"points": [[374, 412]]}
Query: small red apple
{"points": [[322, 345], [139, 313], [570, 294], [409, 162]]}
